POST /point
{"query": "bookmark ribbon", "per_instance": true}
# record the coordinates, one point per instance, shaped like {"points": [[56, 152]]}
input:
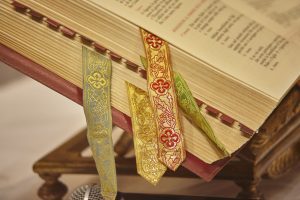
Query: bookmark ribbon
{"points": [[163, 99], [190, 108], [97, 108], [144, 135], [192, 111]]}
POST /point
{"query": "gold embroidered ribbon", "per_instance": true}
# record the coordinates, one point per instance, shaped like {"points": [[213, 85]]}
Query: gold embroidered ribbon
{"points": [[144, 135], [190, 108], [97, 108], [162, 96]]}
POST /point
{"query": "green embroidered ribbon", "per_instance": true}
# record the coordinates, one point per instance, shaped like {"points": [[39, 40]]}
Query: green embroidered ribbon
{"points": [[97, 108], [190, 108]]}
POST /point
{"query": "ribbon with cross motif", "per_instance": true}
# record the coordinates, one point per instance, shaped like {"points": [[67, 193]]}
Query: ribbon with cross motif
{"points": [[97, 108], [189, 106], [163, 99]]}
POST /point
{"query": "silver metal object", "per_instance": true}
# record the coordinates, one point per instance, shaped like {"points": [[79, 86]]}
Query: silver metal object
{"points": [[87, 192]]}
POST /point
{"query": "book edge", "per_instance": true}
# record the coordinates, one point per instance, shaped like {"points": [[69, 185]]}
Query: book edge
{"points": [[74, 93]]}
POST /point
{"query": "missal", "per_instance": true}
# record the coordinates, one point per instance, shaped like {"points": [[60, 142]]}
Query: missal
{"points": [[238, 58]]}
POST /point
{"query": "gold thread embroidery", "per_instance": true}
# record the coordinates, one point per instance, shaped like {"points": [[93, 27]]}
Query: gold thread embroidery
{"points": [[97, 108], [163, 99], [144, 135]]}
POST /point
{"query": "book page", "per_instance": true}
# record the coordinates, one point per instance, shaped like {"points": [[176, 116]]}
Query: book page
{"points": [[281, 16], [219, 35]]}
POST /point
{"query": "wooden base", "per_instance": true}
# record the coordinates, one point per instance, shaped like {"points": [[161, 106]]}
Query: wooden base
{"points": [[52, 189]]}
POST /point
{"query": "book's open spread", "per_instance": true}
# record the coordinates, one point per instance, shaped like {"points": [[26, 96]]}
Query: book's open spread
{"points": [[280, 16], [226, 39], [230, 62]]}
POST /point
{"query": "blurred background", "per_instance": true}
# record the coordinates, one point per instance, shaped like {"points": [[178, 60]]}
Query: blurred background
{"points": [[34, 120]]}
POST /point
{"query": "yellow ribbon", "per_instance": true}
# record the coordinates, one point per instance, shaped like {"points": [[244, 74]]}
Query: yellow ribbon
{"points": [[144, 135]]}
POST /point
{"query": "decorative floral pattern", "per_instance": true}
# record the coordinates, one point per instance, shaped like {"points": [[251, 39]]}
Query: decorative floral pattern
{"points": [[160, 86], [96, 80], [154, 41], [163, 100], [169, 138], [173, 157]]}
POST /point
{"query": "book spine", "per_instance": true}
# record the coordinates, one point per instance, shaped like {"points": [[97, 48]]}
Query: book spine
{"points": [[71, 34]]}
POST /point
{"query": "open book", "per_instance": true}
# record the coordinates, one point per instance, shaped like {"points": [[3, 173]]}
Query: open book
{"points": [[237, 63]]}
